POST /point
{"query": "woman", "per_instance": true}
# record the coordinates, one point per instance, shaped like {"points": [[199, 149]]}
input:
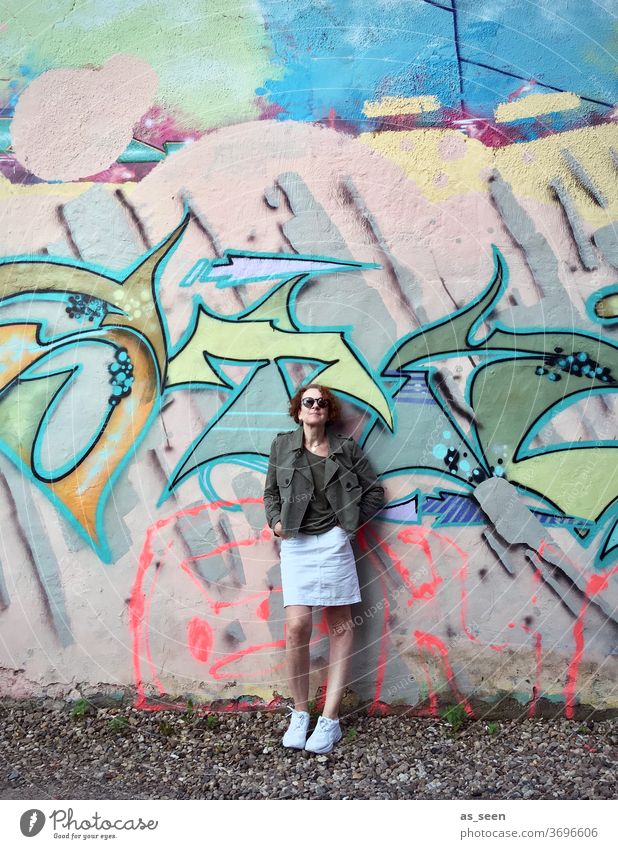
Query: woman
{"points": [[319, 489]]}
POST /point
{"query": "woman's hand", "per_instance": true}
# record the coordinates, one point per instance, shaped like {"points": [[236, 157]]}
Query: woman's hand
{"points": [[277, 530]]}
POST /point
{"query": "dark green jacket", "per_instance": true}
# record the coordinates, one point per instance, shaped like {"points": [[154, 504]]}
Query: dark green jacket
{"points": [[350, 484]]}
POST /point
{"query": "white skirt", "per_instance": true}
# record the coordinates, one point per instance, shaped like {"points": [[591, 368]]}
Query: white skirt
{"points": [[319, 569]]}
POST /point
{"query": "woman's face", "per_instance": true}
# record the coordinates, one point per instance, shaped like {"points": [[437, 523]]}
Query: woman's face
{"points": [[315, 414]]}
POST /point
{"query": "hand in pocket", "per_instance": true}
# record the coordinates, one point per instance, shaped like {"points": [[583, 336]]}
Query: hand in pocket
{"points": [[277, 530]]}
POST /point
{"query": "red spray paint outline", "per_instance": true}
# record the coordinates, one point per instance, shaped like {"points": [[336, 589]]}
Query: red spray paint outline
{"points": [[139, 603], [594, 585]]}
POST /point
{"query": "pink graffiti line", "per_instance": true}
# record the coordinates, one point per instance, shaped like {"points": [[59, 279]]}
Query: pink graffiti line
{"points": [[231, 658], [139, 604], [218, 606], [139, 611], [417, 535], [377, 706], [401, 570], [536, 688], [434, 645], [462, 574], [595, 584], [571, 682]]}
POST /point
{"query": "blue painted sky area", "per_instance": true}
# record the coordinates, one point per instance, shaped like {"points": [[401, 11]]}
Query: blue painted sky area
{"points": [[336, 54], [570, 45]]}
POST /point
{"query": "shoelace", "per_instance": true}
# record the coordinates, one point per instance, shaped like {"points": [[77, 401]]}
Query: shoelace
{"points": [[297, 719]]}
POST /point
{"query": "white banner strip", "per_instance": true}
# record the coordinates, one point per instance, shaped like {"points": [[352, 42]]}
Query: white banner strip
{"points": [[262, 823]]}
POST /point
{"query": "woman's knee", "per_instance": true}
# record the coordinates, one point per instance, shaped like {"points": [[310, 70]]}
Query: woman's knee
{"points": [[298, 631]]}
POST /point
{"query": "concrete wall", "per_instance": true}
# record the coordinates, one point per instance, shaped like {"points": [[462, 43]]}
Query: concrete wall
{"points": [[416, 201]]}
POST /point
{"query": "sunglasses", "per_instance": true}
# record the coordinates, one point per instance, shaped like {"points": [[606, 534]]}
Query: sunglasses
{"points": [[309, 402]]}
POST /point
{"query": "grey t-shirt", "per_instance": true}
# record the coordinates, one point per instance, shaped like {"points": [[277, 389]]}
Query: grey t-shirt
{"points": [[319, 516]]}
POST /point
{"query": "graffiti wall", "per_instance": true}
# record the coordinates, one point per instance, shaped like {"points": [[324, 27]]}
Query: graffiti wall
{"points": [[414, 203]]}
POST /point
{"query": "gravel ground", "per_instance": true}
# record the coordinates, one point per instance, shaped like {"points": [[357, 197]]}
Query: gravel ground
{"points": [[112, 754]]}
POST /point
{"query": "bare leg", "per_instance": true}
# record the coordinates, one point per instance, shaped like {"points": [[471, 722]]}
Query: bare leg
{"points": [[298, 623], [341, 638]]}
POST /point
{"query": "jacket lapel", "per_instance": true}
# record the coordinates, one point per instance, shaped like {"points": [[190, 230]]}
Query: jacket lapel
{"points": [[299, 458], [331, 466]]}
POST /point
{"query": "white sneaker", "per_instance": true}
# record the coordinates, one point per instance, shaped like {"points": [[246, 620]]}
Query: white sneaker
{"points": [[325, 734], [295, 736]]}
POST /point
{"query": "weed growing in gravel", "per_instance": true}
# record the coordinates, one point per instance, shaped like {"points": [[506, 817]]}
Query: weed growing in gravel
{"points": [[456, 716], [189, 714], [212, 721], [166, 728], [118, 724], [492, 728], [351, 735], [313, 710], [80, 709]]}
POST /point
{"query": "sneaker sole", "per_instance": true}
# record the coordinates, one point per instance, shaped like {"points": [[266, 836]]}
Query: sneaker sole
{"points": [[325, 751], [291, 746]]}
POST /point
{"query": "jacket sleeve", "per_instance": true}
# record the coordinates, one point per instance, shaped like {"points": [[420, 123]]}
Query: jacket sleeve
{"points": [[272, 498], [372, 497]]}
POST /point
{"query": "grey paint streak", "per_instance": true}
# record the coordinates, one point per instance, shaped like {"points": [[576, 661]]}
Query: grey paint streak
{"points": [[614, 155], [539, 256], [231, 555], [100, 229], [70, 241], [607, 601], [330, 299], [235, 632], [606, 240], [203, 223], [160, 468], [584, 179], [61, 248], [500, 550], [509, 515], [132, 212], [246, 485], [74, 541], [408, 289], [568, 594], [199, 537], [197, 534], [584, 248], [27, 522], [5, 599], [277, 614], [271, 196], [122, 501], [516, 524]]}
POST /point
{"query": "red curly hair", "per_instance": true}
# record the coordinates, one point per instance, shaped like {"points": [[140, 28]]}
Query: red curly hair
{"points": [[334, 408]]}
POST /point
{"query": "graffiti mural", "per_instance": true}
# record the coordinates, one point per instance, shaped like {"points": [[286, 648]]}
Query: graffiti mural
{"points": [[190, 232], [119, 324]]}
